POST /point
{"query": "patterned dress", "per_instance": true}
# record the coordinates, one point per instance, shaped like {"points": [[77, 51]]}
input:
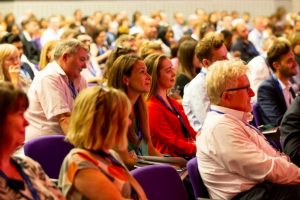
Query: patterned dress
{"points": [[45, 188], [107, 164]]}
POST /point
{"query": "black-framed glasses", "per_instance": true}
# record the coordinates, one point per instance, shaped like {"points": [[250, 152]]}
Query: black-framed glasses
{"points": [[248, 88]]}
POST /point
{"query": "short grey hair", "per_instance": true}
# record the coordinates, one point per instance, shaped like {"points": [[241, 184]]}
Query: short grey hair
{"points": [[223, 75], [69, 46]]}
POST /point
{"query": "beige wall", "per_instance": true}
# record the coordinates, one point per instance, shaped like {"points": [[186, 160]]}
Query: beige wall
{"points": [[46, 8]]}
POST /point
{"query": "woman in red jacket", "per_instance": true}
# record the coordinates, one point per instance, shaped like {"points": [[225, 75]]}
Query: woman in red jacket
{"points": [[170, 130]]}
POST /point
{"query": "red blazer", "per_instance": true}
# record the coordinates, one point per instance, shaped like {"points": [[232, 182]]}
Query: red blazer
{"points": [[166, 130]]}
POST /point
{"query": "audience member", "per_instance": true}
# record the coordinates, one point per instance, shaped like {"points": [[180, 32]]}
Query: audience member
{"points": [[234, 159], [170, 130], [53, 31], [290, 131], [117, 52], [20, 177], [275, 94], [189, 65], [166, 36], [178, 27], [150, 47], [28, 69], [47, 53], [92, 73], [256, 35], [195, 101], [149, 27], [10, 67], [92, 166], [53, 91], [259, 69], [28, 37], [242, 46], [99, 48], [129, 74]]}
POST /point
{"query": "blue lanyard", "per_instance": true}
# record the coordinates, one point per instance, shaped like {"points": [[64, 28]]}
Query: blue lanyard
{"points": [[138, 130], [27, 180], [73, 90], [217, 111], [91, 69], [176, 112]]}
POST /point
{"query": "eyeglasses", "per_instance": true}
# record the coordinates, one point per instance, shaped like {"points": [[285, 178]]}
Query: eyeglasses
{"points": [[248, 88]]}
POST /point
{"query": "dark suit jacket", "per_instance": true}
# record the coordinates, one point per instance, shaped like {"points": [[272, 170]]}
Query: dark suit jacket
{"points": [[271, 102], [247, 49], [31, 50], [290, 131]]}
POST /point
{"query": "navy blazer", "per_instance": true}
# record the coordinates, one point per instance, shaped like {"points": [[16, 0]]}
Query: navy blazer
{"points": [[271, 102]]}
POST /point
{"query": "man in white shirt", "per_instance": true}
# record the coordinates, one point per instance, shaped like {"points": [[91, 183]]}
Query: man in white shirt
{"points": [[54, 89], [195, 101], [234, 159]]}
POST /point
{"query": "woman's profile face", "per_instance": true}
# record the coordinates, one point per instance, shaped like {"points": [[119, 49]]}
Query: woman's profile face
{"points": [[14, 128], [167, 75], [139, 79], [11, 62]]}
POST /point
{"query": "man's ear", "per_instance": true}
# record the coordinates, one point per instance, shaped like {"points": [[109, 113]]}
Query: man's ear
{"points": [[125, 80], [65, 56], [227, 96], [205, 62], [275, 65]]}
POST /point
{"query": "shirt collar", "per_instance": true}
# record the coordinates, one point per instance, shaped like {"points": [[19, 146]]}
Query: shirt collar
{"points": [[283, 86], [243, 116], [27, 36]]}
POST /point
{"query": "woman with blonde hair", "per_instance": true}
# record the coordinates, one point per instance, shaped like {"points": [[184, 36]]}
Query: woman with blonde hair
{"points": [[129, 74], [47, 53], [10, 67], [170, 129], [99, 122]]}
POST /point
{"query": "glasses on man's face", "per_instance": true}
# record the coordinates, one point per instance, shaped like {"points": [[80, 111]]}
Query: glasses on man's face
{"points": [[248, 88]]}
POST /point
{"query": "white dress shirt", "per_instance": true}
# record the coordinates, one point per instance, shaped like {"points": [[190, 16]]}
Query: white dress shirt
{"points": [[195, 101], [233, 157], [49, 96]]}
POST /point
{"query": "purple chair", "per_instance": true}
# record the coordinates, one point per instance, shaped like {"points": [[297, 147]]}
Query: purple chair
{"points": [[49, 152], [200, 190], [256, 115], [160, 182]]}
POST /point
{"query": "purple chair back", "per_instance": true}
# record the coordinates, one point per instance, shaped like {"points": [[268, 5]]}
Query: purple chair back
{"points": [[256, 115], [49, 152], [160, 182], [199, 188]]}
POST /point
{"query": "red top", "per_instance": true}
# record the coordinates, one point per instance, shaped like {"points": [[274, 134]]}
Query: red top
{"points": [[166, 130]]}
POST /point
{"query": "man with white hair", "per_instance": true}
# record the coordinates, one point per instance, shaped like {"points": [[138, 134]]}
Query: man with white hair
{"points": [[234, 159], [54, 89]]}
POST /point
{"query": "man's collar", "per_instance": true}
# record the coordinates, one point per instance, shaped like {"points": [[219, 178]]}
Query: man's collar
{"points": [[243, 116], [58, 68]]}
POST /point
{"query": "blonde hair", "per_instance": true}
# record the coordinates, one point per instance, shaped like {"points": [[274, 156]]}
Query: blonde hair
{"points": [[99, 119], [223, 75], [150, 47], [49, 46], [5, 51]]}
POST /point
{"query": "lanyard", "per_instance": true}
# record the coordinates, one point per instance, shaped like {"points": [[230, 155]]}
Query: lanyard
{"points": [[176, 112], [17, 186], [91, 69], [72, 89]]}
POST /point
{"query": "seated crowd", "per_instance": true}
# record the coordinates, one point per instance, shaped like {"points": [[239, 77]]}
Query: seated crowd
{"points": [[120, 92]]}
